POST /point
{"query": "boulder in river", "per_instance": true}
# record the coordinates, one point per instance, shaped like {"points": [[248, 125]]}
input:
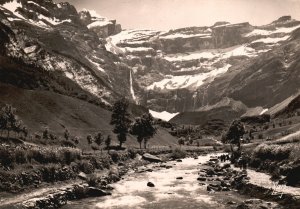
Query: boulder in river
{"points": [[151, 158], [179, 178], [150, 184], [82, 176], [201, 178]]}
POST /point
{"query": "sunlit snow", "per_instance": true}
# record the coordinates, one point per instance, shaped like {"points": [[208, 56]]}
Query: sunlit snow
{"points": [[163, 115], [271, 40], [185, 81], [264, 111], [263, 32]]}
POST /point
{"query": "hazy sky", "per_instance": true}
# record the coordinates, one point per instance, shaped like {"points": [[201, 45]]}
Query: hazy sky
{"points": [[168, 14]]}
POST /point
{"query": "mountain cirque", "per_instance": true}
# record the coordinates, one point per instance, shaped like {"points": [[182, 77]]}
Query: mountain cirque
{"points": [[89, 57]]}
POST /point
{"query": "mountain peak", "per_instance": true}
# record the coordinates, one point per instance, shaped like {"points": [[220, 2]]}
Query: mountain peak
{"points": [[285, 18], [221, 23]]}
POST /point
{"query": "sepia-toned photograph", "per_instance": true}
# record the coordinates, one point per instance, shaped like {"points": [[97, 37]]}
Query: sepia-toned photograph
{"points": [[149, 104]]}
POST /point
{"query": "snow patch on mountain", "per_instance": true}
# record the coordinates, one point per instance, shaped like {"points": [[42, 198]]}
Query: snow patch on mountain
{"points": [[180, 35], [32, 2], [99, 23], [163, 115], [264, 111], [98, 66], [243, 50], [53, 21], [271, 40], [187, 81], [264, 32], [13, 6]]}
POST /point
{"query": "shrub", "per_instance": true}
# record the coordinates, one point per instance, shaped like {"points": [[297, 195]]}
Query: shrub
{"points": [[69, 155], [114, 156], [132, 153], [20, 156], [178, 153], [7, 158], [272, 152], [92, 180], [87, 167], [106, 161]]}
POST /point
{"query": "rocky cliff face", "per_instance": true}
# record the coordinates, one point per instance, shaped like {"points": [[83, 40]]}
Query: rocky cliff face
{"points": [[55, 42], [202, 65], [48, 46]]}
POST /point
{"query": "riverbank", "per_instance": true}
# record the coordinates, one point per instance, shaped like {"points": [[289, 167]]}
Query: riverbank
{"points": [[207, 182], [251, 183], [96, 184]]}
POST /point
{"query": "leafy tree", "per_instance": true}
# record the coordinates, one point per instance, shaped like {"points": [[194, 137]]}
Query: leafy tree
{"points": [[76, 140], [234, 133], [46, 134], [99, 139], [120, 119], [67, 134], [89, 139], [25, 131], [8, 119], [181, 141], [143, 128], [108, 142]]}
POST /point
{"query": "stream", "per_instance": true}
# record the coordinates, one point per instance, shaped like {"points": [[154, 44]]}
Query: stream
{"points": [[169, 192]]}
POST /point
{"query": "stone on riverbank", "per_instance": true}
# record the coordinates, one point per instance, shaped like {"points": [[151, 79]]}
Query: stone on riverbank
{"points": [[151, 158]]}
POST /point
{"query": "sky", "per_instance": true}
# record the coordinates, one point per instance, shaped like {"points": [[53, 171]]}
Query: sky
{"points": [[172, 14]]}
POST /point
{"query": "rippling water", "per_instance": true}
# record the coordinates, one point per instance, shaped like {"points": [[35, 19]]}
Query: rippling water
{"points": [[169, 192]]}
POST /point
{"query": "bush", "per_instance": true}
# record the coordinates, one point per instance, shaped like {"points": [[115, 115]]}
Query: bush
{"points": [[7, 158], [92, 180], [106, 161], [87, 167], [272, 152], [132, 153], [20, 156], [178, 153], [114, 156], [69, 155]]}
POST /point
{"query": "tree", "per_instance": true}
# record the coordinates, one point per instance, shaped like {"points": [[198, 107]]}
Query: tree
{"points": [[8, 120], [143, 128], [67, 134], [234, 133], [89, 139], [107, 142], [120, 119], [99, 139], [181, 141], [46, 134], [25, 131], [76, 140]]}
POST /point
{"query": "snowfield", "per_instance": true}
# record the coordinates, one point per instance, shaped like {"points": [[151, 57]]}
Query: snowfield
{"points": [[163, 115], [271, 40], [99, 24], [180, 35], [262, 32], [242, 50], [187, 81]]}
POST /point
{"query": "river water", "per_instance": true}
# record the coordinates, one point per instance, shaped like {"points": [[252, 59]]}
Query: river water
{"points": [[169, 192]]}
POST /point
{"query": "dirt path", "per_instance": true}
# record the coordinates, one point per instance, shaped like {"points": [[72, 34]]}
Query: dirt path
{"points": [[36, 193]]}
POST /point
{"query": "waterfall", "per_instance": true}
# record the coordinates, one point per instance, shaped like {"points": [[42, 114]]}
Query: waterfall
{"points": [[131, 88]]}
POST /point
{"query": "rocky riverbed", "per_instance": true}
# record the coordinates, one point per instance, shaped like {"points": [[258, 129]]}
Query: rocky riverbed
{"points": [[194, 182], [200, 182]]}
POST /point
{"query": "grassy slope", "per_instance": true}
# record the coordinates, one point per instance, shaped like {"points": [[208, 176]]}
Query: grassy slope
{"points": [[41, 109]]}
